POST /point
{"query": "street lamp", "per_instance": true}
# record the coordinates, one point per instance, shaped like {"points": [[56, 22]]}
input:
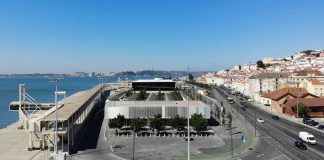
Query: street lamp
{"points": [[57, 93], [188, 122], [298, 95]]}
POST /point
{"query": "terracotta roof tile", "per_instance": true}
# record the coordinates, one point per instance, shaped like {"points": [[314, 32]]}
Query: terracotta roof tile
{"points": [[316, 82], [308, 71], [271, 75], [293, 91], [310, 102]]}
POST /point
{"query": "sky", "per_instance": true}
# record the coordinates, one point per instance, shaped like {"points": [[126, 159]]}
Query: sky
{"points": [[61, 36]]}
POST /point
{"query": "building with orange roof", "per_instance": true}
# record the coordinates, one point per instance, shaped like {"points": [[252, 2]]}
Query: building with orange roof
{"points": [[314, 86], [316, 106], [278, 97]]}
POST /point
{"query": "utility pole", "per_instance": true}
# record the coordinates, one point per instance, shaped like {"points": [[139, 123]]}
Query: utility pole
{"points": [[297, 106]]}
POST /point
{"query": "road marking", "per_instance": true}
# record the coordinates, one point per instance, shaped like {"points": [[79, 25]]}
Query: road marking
{"points": [[260, 155], [149, 97], [281, 156]]}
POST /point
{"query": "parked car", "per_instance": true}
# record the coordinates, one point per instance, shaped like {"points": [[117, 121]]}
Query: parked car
{"points": [[243, 109], [320, 126], [307, 137], [305, 120], [260, 120], [300, 145], [186, 138], [275, 117], [242, 103], [250, 100], [267, 104], [311, 122], [314, 124]]}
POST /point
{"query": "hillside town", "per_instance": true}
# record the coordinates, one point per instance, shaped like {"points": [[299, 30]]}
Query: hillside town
{"points": [[278, 83]]}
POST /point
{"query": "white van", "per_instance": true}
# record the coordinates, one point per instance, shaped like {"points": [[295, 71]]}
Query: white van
{"points": [[307, 137]]}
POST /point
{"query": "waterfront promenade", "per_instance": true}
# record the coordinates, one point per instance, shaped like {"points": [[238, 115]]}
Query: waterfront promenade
{"points": [[14, 144]]}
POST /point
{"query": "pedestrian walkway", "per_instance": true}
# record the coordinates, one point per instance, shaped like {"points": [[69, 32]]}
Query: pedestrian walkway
{"points": [[15, 143]]}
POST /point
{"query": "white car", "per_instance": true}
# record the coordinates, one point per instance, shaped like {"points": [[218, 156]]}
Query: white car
{"points": [[250, 100], [260, 120]]}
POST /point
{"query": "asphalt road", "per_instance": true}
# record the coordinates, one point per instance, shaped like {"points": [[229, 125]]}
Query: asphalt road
{"points": [[282, 131], [266, 148]]}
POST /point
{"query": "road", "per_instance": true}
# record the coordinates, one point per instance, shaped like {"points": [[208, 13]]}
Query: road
{"points": [[266, 148], [282, 131]]}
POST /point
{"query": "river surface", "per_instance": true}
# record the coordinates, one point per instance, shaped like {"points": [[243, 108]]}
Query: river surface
{"points": [[42, 90]]}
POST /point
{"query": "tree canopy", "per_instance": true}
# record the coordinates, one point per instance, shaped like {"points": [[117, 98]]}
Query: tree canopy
{"points": [[230, 118], [142, 94], [190, 77], [260, 64], [137, 124], [198, 122], [157, 123], [302, 110], [178, 122], [117, 122]]}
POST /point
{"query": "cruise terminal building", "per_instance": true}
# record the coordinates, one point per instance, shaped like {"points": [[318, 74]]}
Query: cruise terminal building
{"points": [[168, 107]]}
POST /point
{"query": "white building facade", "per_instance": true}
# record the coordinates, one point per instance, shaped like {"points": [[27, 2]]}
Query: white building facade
{"points": [[147, 109]]}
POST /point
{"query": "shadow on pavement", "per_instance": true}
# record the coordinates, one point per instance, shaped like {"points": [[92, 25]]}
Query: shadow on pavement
{"points": [[213, 122]]}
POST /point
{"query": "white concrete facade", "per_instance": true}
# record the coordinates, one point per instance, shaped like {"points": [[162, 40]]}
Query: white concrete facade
{"points": [[147, 109]]}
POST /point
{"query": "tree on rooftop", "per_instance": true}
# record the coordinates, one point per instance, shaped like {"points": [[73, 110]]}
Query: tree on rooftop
{"points": [[157, 123], [198, 122], [142, 94], [260, 64], [178, 122], [117, 122], [160, 94]]}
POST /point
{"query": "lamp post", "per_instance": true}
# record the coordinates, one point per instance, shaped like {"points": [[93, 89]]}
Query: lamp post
{"points": [[57, 93], [188, 123], [298, 95]]}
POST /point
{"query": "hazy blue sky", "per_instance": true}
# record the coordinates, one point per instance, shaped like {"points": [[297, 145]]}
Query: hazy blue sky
{"points": [[74, 35]]}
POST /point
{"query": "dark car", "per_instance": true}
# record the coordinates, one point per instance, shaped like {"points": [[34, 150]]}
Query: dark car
{"points": [[267, 104], [321, 126], [275, 117], [243, 109], [186, 139], [305, 120], [300, 145], [310, 122], [314, 123]]}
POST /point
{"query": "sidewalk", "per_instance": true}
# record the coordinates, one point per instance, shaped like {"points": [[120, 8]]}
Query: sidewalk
{"points": [[289, 118]]}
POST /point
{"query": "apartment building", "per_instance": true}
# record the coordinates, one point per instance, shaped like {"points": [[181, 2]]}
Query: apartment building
{"points": [[296, 78], [266, 82], [314, 86]]}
